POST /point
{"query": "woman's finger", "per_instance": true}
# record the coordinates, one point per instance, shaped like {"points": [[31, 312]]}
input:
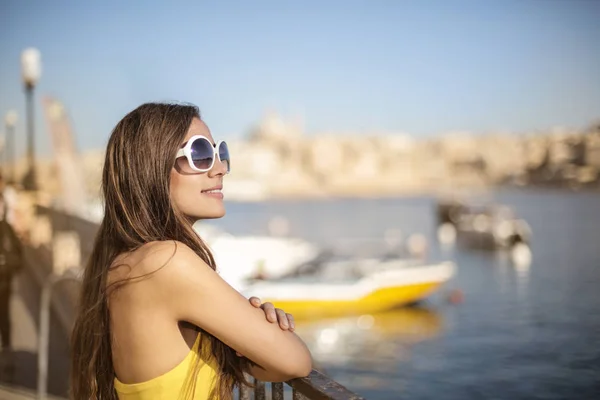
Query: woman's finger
{"points": [[282, 318], [291, 321], [269, 310], [255, 301]]}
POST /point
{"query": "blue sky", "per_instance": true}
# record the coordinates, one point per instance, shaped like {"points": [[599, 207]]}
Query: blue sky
{"points": [[422, 67]]}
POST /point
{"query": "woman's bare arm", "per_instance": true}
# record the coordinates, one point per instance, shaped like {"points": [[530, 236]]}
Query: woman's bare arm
{"points": [[193, 292]]}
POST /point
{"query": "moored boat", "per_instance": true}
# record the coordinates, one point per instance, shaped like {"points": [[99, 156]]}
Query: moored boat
{"points": [[487, 226], [350, 287], [244, 257]]}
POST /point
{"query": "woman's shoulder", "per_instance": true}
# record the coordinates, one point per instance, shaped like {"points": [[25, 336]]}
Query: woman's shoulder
{"points": [[158, 260], [162, 276]]}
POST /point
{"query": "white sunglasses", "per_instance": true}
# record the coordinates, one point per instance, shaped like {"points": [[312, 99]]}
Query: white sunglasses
{"points": [[201, 153]]}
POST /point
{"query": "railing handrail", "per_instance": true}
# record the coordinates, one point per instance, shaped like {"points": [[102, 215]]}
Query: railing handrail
{"points": [[318, 386]]}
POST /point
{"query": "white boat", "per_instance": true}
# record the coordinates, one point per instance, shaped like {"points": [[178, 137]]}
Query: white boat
{"points": [[240, 258]]}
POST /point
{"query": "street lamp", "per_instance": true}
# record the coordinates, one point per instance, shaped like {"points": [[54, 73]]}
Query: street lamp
{"points": [[31, 69], [10, 120]]}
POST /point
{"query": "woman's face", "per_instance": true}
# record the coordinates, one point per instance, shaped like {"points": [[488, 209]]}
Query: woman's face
{"points": [[198, 194]]}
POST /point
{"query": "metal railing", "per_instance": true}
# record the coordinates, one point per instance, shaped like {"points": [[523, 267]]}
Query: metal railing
{"points": [[316, 386]]}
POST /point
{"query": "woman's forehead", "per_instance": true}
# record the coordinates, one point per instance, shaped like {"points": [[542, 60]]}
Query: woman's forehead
{"points": [[198, 127]]}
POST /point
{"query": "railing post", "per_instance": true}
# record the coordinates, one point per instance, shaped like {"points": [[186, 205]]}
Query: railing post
{"points": [[277, 391], [44, 333], [259, 390], [244, 392]]}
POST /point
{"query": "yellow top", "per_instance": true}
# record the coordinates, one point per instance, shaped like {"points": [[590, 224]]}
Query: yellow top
{"points": [[170, 384]]}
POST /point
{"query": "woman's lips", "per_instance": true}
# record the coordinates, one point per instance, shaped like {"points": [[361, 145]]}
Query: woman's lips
{"points": [[214, 192]]}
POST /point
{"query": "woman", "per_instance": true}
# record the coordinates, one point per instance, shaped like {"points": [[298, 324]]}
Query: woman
{"points": [[156, 321]]}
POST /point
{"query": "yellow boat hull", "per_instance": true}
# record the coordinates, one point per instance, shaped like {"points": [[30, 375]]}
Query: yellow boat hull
{"points": [[382, 299]]}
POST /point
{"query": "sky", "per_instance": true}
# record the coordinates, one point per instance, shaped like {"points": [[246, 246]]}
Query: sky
{"points": [[417, 67]]}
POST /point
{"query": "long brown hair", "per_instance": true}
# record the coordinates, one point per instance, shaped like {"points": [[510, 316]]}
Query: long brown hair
{"points": [[137, 210]]}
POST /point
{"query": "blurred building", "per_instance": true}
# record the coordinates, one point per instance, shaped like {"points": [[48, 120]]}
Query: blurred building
{"points": [[277, 159]]}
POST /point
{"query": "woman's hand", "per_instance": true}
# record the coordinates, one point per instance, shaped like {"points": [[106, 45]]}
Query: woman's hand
{"points": [[286, 321]]}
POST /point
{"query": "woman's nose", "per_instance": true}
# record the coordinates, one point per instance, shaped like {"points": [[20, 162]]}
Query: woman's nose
{"points": [[219, 168]]}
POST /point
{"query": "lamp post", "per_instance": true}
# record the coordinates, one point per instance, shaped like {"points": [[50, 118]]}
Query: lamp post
{"points": [[31, 69], [10, 120]]}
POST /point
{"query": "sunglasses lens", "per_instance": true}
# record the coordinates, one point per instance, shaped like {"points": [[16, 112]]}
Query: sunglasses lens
{"points": [[202, 154], [224, 155]]}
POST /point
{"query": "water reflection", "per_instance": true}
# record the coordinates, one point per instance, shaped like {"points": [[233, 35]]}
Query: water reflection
{"points": [[522, 272], [501, 272], [508, 273], [370, 341]]}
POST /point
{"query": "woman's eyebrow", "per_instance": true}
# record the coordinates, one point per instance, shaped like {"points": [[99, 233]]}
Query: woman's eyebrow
{"points": [[214, 144]]}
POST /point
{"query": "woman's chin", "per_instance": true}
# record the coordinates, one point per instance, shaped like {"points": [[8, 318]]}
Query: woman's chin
{"points": [[213, 216], [208, 214]]}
